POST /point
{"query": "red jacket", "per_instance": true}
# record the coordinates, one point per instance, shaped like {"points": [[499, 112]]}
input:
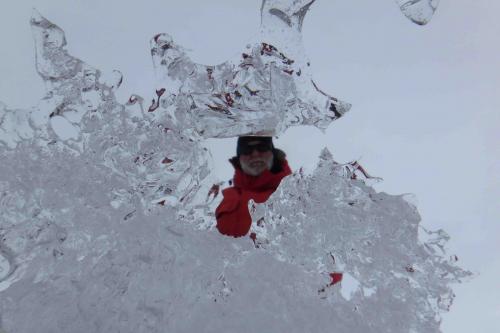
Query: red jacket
{"points": [[233, 218]]}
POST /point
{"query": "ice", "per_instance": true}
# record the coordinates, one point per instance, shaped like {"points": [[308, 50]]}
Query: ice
{"points": [[349, 286], [372, 237], [264, 90], [418, 11], [14, 126], [107, 223], [4, 267], [63, 128], [282, 14]]}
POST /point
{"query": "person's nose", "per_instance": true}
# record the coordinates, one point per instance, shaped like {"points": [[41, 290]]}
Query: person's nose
{"points": [[255, 153]]}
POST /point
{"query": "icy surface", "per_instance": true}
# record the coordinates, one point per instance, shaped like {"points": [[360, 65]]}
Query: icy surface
{"points": [[328, 222], [106, 222]]}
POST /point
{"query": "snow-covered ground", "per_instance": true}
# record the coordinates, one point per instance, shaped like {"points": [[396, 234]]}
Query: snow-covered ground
{"points": [[424, 113]]}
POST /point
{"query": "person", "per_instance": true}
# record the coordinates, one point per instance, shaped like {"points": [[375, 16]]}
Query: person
{"points": [[258, 171]]}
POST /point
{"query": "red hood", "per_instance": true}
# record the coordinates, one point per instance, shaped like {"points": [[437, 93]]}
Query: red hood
{"points": [[265, 181]]}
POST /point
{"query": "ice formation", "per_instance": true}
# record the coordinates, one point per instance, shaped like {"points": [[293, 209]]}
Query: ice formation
{"points": [[418, 11], [106, 221]]}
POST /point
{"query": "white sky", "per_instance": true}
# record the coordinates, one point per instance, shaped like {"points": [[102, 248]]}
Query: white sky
{"points": [[425, 113]]}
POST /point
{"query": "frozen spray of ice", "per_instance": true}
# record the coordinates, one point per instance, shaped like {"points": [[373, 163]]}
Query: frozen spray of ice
{"points": [[106, 224]]}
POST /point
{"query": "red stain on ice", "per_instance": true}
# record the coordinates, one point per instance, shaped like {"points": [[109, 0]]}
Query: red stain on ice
{"points": [[336, 278]]}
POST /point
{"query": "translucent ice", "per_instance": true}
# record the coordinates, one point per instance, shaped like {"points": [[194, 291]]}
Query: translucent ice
{"points": [[279, 14], [106, 220], [418, 11], [265, 90], [328, 222], [4, 267]]}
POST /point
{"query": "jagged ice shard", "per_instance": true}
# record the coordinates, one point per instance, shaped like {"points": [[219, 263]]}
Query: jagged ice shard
{"points": [[418, 11], [106, 221], [265, 90]]}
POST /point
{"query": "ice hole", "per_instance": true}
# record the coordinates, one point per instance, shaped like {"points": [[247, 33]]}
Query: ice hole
{"points": [[302, 145]]}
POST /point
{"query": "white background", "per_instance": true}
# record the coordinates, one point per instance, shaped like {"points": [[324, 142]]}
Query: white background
{"points": [[425, 113]]}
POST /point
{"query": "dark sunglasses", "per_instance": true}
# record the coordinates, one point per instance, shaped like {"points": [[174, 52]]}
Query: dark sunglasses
{"points": [[260, 147]]}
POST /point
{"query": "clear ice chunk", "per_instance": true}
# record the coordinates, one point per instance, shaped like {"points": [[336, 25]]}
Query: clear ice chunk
{"points": [[266, 89], [328, 222], [418, 11]]}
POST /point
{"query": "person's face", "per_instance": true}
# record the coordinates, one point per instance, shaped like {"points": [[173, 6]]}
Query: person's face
{"points": [[257, 158]]}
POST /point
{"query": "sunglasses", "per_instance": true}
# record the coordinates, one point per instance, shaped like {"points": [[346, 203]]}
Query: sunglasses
{"points": [[260, 147]]}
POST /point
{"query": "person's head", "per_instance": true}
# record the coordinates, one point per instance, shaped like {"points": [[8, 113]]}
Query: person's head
{"points": [[255, 154]]}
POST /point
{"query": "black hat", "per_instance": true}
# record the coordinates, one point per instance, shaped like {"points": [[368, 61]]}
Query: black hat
{"points": [[243, 142]]}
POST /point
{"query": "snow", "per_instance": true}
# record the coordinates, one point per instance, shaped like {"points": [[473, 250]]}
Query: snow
{"points": [[90, 239]]}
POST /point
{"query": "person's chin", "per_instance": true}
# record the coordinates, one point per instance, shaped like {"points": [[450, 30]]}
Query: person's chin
{"points": [[259, 171]]}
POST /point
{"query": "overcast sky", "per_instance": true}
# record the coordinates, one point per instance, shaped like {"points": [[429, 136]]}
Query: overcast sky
{"points": [[425, 113]]}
